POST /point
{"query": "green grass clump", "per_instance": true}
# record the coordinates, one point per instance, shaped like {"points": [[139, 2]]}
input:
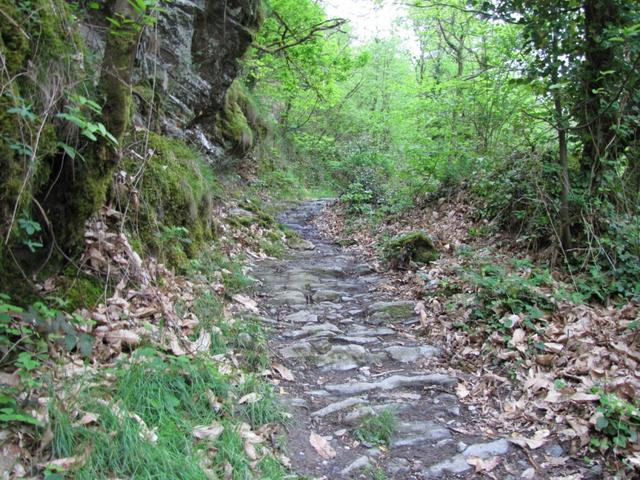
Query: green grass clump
{"points": [[266, 410], [152, 394], [376, 429], [211, 262]]}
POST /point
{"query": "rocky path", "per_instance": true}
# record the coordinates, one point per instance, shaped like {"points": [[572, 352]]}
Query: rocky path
{"points": [[351, 353]]}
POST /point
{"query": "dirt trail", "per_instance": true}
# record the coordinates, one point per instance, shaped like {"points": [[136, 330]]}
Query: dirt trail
{"points": [[351, 352]]}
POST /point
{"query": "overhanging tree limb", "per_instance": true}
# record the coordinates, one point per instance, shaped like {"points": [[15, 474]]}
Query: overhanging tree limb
{"points": [[310, 33]]}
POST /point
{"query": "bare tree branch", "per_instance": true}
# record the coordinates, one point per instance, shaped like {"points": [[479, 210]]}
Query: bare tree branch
{"points": [[286, 41]]}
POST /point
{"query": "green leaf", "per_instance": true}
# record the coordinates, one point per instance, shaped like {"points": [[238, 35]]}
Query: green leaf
{"points": [[10, 415], [68, 149], [620, 441], [601, 423], [85, 344]]}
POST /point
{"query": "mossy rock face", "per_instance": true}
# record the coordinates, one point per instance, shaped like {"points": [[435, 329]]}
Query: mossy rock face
{"points": [[233, 124], [81, 290], [416, 247], [176, 192], [38, 32]]}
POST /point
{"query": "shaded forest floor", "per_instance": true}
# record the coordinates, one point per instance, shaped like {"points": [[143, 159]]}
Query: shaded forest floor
{"points": [[370, 398], [289, 346], [541, 368]]}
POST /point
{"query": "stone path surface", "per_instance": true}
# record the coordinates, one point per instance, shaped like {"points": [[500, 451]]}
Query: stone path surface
{"points": [[352, 355]]}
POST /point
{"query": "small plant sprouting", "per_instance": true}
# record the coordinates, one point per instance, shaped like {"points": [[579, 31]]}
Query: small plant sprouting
{"points": [[376, 429], [30, 228], [618, 422], [77, 114]]}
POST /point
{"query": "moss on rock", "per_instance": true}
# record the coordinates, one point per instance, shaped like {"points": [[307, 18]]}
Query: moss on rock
{"points": [[37, 34], [414, 246], [176, 191]]}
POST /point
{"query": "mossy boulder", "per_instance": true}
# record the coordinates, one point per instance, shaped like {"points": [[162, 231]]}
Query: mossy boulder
{"points": [[412, 247]]}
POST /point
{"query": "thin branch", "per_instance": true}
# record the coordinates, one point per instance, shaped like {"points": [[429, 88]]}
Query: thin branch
{"points": [[312, 32]]}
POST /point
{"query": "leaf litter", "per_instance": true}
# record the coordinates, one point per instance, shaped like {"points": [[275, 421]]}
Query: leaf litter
{"points": [[553, 371]]}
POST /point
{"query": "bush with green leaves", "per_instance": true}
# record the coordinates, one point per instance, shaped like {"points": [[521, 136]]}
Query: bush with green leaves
{"points": [[363, 176], [613, 261]]}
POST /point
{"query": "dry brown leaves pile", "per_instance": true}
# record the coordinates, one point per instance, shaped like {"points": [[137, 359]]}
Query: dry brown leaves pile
{"points": [[535, 395], [142, 305]]}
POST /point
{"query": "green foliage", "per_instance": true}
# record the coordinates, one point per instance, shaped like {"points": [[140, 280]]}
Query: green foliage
{"points": [[266, 409], [514, 196], [240, 120], [500, 293], [376, 429], [77, 113], [375, 473], [30, 228], [26, 332], [358, 199], [174, 214], [81, 290], [10, 412], [38, 32], [618, 422], [215, 266], [146, 430]]}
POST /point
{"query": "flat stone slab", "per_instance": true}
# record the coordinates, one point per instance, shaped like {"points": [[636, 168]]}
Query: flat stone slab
{"points": [[391, 383], [398, 310], [357, 464], [355, 340], [415, 433], [303, 316], [343, 357], [372, 332], [296, 350], [327, 296], [313, 329], [289, 297], [338, 406], [411, 354], [458, 463]]}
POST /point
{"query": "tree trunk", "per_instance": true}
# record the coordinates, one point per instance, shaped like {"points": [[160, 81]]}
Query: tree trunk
{"points": [[563, 157], [117, 69], [598, 133]]}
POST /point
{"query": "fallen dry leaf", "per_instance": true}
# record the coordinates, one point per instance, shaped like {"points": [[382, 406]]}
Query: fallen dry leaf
{"points": [[538, 439], [246, 302], [321, 446], [68, 463], [284, 372], [252, 397], [462, 391], [484, 465], [125, 338], [88, 418], [209, 433]]}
